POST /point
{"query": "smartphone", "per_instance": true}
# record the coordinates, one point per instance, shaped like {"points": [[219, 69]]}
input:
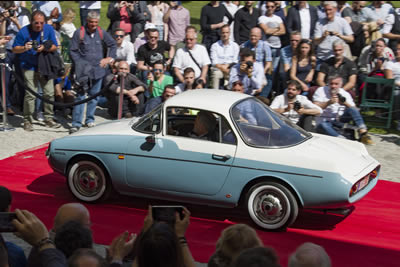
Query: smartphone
{"points": [[5, 222], [166, 213]]}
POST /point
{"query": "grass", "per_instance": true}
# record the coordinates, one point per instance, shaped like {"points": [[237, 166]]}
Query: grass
{"points": [[193, 6]]}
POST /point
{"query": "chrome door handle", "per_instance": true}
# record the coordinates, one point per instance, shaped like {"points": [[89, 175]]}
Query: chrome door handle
{"points": [[221, 157]]}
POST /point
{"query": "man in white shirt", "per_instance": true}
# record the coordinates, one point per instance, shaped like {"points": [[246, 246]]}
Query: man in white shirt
{"points": [[338, 109], [330, 29], [295, 106], [125, 49], [224, 54], [192, 55]]}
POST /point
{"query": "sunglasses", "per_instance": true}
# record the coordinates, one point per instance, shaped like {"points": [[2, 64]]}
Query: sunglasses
{"points": [[38, 23], [119, 36], [160, 70]]}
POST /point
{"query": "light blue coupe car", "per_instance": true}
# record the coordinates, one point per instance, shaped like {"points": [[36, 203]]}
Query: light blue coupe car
{"points": [[240, 153]]}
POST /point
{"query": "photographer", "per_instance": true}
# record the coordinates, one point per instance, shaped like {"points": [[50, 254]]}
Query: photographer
{"points": [[295, 106], [123, 14], [338, 109], [12, 19], [249, 72], [28, 44]]}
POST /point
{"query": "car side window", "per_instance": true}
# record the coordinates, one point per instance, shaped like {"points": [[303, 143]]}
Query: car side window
{"points": [[150, 123], [199, 124]]}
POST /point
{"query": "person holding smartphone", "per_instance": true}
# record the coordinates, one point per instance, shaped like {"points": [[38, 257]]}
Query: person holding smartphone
{"points": [[16, 255], [156, 240]]}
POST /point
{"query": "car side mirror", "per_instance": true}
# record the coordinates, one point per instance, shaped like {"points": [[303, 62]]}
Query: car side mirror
{"points": [[151, 139]]}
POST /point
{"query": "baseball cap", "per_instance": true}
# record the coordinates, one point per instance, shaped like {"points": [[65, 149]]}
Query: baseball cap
{"points": [[149, 26]]}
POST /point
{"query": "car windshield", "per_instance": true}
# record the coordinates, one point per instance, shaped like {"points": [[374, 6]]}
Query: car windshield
{"points": [[149, 123], [260, 126]]}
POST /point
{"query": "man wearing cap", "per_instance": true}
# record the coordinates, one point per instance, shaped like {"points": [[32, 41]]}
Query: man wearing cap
{"points": [[153, 51]]}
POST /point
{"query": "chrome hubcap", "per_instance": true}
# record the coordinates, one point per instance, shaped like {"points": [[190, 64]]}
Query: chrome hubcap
{"points": [[88, 182], [269, 208]]}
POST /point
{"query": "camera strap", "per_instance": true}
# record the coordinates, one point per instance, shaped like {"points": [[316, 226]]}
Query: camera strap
{"points": [[194, 60], [41, 34]]}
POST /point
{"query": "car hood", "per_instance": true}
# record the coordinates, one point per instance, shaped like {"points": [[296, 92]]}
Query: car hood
{"points": [[349, 158], [119, 127]]}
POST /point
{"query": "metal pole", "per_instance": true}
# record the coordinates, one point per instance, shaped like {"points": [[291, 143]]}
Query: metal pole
{"points": [[121, 95], [5, 127]]}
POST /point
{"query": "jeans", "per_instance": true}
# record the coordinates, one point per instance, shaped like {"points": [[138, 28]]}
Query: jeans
{"points": [[77, 113], [275, 53], [350, 114]]}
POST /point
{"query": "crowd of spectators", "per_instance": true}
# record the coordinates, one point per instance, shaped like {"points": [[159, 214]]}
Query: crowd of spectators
{"points": [[160, 243], [262, 44]]}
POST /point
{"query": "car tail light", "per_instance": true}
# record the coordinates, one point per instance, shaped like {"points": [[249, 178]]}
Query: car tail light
{"points": [[363, 182]]}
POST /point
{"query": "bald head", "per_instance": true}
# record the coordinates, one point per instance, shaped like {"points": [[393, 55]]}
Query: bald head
{"points": [[255, 35], [310, 255], [71, 212]]}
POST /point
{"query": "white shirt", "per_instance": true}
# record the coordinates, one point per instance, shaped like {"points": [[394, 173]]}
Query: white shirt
{"points": [[281, 101], [340, 25], [224, 54], [90, 4], [331, 112], [126, 52], [183, 60], [68, 29], [232, 8], [272, 22], [305, 19], [395, 68]]}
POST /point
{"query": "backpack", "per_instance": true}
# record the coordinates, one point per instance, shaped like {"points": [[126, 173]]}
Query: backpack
{"points": [[82, 33]]}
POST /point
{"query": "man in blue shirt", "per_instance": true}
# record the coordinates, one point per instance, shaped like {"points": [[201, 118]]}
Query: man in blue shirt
{"points": [[88, 55], [249, 72], [28, 44]]}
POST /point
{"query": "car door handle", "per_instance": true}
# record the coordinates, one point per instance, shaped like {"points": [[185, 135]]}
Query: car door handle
{"points": [[221, 157]]}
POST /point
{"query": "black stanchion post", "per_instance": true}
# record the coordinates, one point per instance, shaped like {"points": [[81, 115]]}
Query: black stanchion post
{"points": [[5, 127], [121, 95]]}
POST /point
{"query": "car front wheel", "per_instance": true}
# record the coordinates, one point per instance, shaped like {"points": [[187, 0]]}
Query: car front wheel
{"points": [[271, 205], [88, 181]]}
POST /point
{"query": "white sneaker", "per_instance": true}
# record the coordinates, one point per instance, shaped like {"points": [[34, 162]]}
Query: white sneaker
{"points": [[39, 116], [90, 124]]}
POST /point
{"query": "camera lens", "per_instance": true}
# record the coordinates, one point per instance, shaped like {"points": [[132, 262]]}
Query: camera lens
{"points": [[249, 64]]}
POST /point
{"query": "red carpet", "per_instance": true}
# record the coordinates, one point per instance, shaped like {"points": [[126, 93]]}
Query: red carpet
{"points": [[368, 236]]}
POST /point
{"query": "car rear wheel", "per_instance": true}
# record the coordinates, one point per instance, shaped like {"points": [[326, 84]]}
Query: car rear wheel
{"points": [[271, 205], [88, 181]]}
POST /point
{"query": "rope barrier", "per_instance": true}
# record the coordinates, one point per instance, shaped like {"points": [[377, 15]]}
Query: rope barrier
{"points": [[64, 105]]}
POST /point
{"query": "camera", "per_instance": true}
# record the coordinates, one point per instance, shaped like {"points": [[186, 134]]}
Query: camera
{"points": [[11, 12], [342, 99], [296, 105], [35, 45], [198, 82], [331, 33], [167, 213], [249, 64], [5, 222]]}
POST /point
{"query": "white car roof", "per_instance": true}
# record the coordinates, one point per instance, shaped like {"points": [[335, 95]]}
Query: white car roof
{"points": [[216, 100]]}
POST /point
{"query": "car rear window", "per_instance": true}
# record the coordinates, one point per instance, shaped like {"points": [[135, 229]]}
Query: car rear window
{"points": [[260, 126]]}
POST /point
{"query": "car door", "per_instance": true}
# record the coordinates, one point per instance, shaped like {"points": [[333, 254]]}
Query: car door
{"points": [[178, 163]]}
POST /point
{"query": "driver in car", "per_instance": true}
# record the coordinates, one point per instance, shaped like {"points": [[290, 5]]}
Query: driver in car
{"points": [[204, 126]]}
